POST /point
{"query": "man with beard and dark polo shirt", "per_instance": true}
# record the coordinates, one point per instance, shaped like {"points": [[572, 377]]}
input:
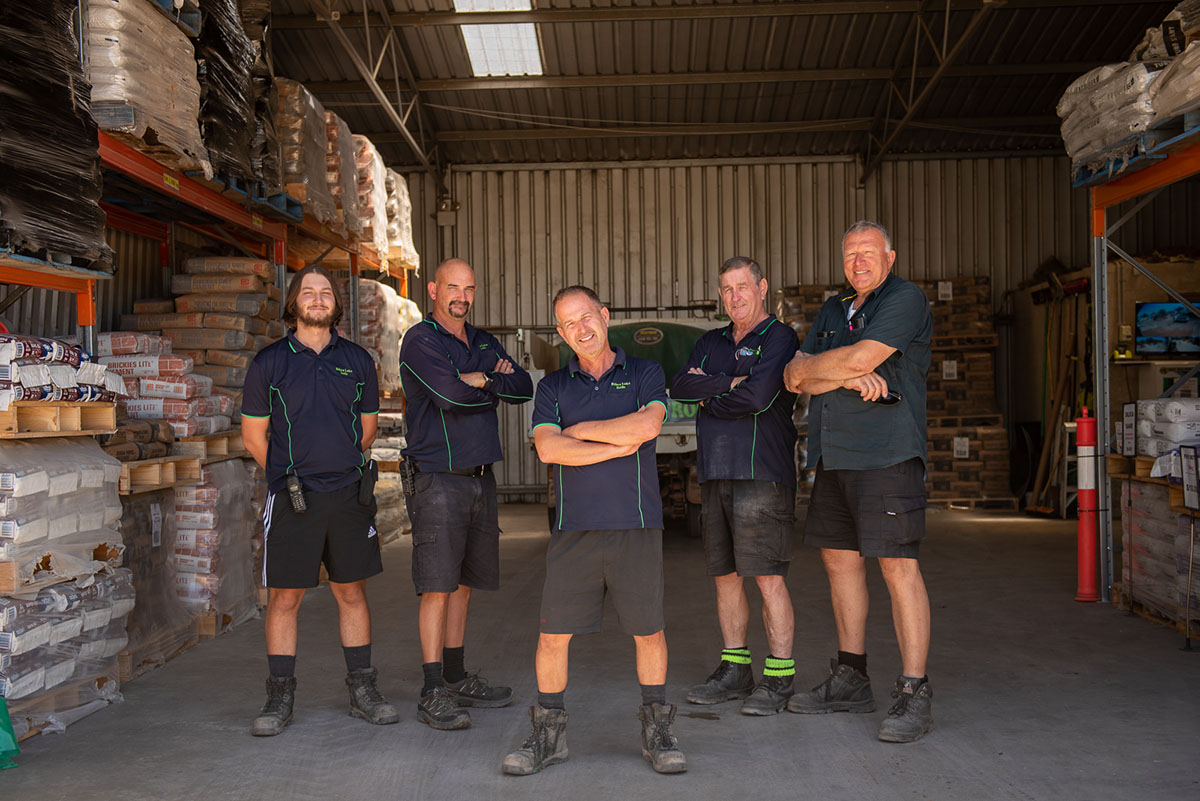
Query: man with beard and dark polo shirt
{"points": [[596, 421], [865, 362], [747, 470], [308, 418], [454, 377]]}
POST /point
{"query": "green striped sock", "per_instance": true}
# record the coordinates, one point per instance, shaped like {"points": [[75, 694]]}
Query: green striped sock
{"points": [[774, 666], [738, 656]]}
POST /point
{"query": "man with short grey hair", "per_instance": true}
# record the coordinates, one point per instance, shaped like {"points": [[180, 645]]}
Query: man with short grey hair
{"points": [[864, 362]]}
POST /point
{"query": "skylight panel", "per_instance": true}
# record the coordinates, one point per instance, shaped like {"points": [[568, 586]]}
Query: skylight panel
{"points": [[505, 49]]}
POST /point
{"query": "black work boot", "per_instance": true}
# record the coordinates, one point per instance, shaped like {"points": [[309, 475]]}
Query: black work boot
{"points": [[546, 744], [366, 701], [769, 696], [727, 682], [911, 717], [277, 711], [439, 709], [846, 690], [659, 746], [475, 691]]}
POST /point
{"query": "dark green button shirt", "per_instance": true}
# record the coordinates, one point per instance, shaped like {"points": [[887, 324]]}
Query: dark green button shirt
{"points": [[847, 432]]}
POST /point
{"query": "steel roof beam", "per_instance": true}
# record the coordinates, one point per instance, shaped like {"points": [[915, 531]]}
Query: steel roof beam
{"points": [[705, 78], [789, 8], [719, 129]]}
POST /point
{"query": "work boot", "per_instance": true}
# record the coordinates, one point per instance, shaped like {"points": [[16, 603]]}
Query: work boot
{"points": [[475, 691], [439, 709], [911, 717], [277, 711], [659, 746], [546, 744], [769, 696], [727, 682], [846, 690], [366, 701]]}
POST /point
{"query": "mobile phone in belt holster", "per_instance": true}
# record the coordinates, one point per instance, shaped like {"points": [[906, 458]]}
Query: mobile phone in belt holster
{"points": [[408, 477], [366, 484], [296, 493]]}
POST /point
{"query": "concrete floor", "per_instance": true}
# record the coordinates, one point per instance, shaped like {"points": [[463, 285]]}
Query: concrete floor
{"points": [[1036, 697]]}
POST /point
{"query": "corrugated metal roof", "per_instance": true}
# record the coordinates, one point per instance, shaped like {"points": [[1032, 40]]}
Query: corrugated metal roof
{"points": [[999, 95]]}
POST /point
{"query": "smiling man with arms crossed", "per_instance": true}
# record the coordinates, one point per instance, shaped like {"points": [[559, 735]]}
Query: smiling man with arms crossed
{"points": [[597, 420], [865, 362]]}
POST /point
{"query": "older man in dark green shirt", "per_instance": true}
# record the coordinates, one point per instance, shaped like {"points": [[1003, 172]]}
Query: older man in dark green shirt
{"points": [[864, 362]]}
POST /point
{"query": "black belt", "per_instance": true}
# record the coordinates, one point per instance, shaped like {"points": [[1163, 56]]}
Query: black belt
{"points": [[479, 471]]}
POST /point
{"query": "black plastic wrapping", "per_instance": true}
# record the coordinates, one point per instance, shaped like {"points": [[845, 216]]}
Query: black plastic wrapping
{"points": [[255, 14], [226, 57], [264, 146], [49, 163]]}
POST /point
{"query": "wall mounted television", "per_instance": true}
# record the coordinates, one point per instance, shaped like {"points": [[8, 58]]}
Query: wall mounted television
{"points": [[1166, 330]]}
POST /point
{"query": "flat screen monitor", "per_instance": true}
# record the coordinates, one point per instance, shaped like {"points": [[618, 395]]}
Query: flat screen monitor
{"points": [[1166, 330]]}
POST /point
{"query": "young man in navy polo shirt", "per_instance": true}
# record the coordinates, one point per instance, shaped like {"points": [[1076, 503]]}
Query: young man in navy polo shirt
{"points": [[454, 377], [308, 418], [596, 420], [747, 467]]}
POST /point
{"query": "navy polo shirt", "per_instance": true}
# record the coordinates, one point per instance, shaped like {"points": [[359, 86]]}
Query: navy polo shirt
{"points": [[314, 401], [452, 425], [618, 493], [846, 432], [746, 432]]}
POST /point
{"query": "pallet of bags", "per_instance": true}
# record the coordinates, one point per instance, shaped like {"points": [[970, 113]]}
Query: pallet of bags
{"points": [[300, 125], [135, 439], [40, 369], [213, 554], [1148, 552], [341, 174], [401, 249], [1105, 110], [372, 195], [226, 96], [380, 330], [49, 198], [144, 87], [59, 650], [169, 389]]}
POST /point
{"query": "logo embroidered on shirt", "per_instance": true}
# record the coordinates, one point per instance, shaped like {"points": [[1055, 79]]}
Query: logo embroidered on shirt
{"points": [[747, 351], [484, 345], [344, 370], [621, 384]]}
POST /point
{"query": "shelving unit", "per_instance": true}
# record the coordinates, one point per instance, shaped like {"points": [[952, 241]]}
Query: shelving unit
{"points": [[1163, 165]]}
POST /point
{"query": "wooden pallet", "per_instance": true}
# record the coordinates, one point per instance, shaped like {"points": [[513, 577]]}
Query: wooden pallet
{"points": [[209, 448], [212, 624], [30, 419], [974, 504], [170, 644], [147, 475], [1123, 601], [68, 695], [966, 342]]}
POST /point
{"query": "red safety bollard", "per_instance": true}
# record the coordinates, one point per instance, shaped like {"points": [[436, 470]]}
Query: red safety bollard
{"points": [[1085, 442]]}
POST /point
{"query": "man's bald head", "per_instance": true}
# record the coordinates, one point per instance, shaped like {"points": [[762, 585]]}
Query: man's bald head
{"points": [[452, 290]]}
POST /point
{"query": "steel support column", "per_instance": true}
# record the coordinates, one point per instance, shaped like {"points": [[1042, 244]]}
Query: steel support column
{"points": [[1100, 367]]}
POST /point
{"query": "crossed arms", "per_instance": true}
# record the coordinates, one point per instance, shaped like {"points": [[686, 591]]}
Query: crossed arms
{"points": [[849, 367], [597, 441]]}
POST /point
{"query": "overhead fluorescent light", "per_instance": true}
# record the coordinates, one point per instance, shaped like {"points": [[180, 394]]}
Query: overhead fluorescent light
{"points": [[507, 49]]}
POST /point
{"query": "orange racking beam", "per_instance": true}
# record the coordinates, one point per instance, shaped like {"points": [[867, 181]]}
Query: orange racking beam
{"points": [[84, 289], [1178, 166]]}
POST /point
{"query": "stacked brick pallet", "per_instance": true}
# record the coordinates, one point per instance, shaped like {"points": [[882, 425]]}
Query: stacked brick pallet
{"points": [[968, 444]]}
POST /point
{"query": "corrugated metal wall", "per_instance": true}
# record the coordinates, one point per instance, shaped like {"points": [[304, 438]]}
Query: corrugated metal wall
{"points": [[654, 234], [45, 313]]}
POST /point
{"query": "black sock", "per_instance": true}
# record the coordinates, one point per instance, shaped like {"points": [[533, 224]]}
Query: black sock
{"points": [[551, 700], [452, 664], [654, 694], [433, 676], [282, 666], [856, 661], [358, 657]]}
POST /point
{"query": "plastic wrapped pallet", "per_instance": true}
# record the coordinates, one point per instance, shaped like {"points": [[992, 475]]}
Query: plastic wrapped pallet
{"points": [[379, 329], [73, 671], [160, 626], [372, 194], [1177, 90], [1148, 553], [215, 529], [1100, 113], [60, 502], [265, 157], [143, 74], [400, 233], [300, 123], [50, 189], [341, 173], [225, 56]]}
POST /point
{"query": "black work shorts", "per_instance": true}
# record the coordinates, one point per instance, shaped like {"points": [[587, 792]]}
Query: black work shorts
{"points": [[335, 530], [581, 566], [456, 532], [749, 526], [879, 513]]}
